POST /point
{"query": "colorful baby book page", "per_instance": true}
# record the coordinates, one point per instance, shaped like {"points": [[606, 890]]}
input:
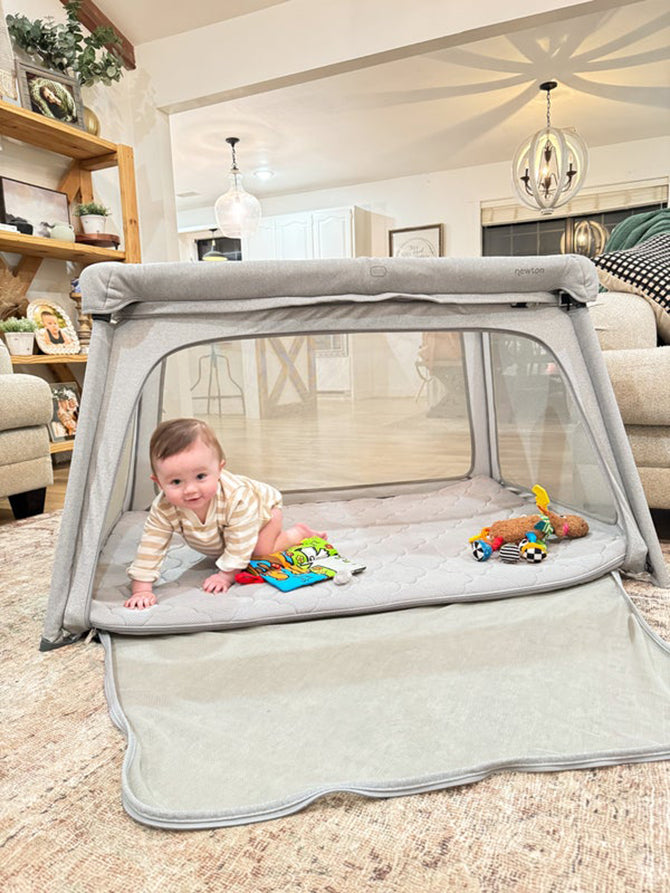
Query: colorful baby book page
{"points": [[314, 560]]}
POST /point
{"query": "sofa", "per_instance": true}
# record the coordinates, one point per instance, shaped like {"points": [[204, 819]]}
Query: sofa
{"points": [[631, 331], [25, 461]]}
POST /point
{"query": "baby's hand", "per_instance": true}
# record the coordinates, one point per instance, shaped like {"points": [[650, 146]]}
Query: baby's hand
{"points": [[219, 582], [140, 600]]}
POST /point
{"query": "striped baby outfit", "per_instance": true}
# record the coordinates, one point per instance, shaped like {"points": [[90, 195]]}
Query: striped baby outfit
{"points": [[229, 533]]}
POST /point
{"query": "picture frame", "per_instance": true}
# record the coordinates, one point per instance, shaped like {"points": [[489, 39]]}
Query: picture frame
{"points": [[66, 397], [417, 241], [52, 94], [32, 209], [55, 333]]}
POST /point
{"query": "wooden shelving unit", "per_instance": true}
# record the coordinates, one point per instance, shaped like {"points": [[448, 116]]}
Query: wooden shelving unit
{"points": [[88, 153], [63, 446], [34, 246], [49, 359]]}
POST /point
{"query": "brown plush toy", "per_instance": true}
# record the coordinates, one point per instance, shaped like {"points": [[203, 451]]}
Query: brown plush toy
{"points": [[515, 529]]}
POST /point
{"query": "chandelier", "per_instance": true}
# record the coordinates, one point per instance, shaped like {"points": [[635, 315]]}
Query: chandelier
{"points": [[549, 167], [237, 212]]}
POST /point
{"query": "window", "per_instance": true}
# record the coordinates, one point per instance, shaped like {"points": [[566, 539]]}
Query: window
{"points": [[556, 235]]}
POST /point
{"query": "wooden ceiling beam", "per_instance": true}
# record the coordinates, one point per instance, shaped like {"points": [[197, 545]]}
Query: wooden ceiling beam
{"points": [[91, 17]]}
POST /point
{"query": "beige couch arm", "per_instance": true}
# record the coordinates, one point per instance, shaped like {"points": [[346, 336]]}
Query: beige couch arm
{"points": [[25, 401], [624, 321], [640, 382]]}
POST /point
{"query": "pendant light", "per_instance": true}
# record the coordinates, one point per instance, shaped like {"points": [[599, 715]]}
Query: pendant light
{"points": [[549, 167], [237, 211], [212, 253]]}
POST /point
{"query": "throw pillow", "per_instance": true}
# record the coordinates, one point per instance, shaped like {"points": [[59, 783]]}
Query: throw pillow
{"points": [[638, 228], [642, 270]]}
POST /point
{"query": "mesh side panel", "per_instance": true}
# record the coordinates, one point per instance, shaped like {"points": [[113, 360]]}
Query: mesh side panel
{"points": [[541, 435], [332, 410]]}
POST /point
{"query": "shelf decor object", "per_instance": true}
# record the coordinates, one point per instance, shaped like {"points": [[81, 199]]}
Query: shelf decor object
{"points": [[54, 331], [237, 212], [93, 217], [66, 398], [19, 335], [37, 207], [54, 94], [549, 167]]}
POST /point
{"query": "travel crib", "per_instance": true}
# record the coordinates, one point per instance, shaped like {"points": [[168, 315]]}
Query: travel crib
{"points": [[403, 406]]}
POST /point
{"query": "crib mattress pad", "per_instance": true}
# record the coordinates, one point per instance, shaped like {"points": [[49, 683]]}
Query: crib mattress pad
{"points": [[415, 548]]}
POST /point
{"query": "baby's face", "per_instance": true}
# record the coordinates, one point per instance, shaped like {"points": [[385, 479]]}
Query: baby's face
{"points": [[189, 479], [50, 323]]}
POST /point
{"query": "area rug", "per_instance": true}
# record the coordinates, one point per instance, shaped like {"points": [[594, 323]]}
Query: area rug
{"points": [[64, 829]]}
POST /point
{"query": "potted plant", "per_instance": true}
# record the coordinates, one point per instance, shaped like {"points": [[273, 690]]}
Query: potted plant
{"points": [[93, 216], [65, 47], [19, 335]]}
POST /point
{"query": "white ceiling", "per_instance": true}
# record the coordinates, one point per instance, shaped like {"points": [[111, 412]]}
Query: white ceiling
{"points": [[457, 107], [144, 20]]}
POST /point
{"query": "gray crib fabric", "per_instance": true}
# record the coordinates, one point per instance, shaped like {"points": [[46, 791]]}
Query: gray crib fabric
{"points": [[239, 726]]}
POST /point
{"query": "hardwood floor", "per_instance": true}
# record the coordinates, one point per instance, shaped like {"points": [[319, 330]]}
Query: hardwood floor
{"points": [[54, 499], [342, 443]]}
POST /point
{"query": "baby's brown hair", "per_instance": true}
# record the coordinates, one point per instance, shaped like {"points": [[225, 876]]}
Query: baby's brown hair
{"points": [[176, 435]]}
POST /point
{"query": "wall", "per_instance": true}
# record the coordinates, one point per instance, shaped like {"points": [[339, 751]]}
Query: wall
{"points": [[454, 197]]}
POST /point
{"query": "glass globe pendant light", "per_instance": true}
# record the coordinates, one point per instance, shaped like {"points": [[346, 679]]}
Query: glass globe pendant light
{"points": [[549, 167], [237, 212]]}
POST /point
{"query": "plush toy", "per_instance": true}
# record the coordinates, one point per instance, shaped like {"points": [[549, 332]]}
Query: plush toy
{"points": [[525, 537], [515, 529]]}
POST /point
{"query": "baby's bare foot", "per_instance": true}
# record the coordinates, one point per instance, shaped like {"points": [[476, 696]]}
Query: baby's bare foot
{"points": [[307, 532]]}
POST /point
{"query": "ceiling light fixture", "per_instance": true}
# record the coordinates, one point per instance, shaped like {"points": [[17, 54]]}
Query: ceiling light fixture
{"points": [[264, 173], [237, 212], [549, 167]]}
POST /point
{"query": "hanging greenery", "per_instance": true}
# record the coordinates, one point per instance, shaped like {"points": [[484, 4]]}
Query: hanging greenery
{"points": [[65, 47]]}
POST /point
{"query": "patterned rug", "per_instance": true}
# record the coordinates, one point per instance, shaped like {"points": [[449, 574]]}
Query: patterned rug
{"points": [[63, 827]]}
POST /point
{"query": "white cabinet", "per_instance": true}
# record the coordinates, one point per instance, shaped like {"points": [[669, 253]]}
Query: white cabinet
{"points": [[262, 246], [293, 239], [330, 233], [335, 232]]}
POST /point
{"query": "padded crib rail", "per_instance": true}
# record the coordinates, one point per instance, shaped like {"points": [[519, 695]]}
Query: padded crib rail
{"points": [[109, 287]]}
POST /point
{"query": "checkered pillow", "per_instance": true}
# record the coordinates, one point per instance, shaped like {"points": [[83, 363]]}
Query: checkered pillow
{"points": [[643, 270]]}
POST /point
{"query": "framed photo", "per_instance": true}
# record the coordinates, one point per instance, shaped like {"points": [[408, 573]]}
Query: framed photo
{"points": [[55, 333], [34, 209], [417, 241], [66, 397], [50, 93]]}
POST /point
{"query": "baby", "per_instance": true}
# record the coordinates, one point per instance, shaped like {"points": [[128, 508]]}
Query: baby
{"points": [[229, 517]]}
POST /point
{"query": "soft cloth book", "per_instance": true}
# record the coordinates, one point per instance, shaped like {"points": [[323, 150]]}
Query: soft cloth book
{"points": [[314, 560]]}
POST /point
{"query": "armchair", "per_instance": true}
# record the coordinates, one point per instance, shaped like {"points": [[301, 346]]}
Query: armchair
{"points": [[630, 328], [25, 462]]}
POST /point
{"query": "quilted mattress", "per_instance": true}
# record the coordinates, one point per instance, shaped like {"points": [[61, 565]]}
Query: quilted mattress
{"points": [[415, 548]]}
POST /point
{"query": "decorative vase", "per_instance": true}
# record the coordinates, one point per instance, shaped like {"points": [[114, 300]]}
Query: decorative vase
{"points": [[91, 121], [63, 232], [93, 223], [20, 344]]}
